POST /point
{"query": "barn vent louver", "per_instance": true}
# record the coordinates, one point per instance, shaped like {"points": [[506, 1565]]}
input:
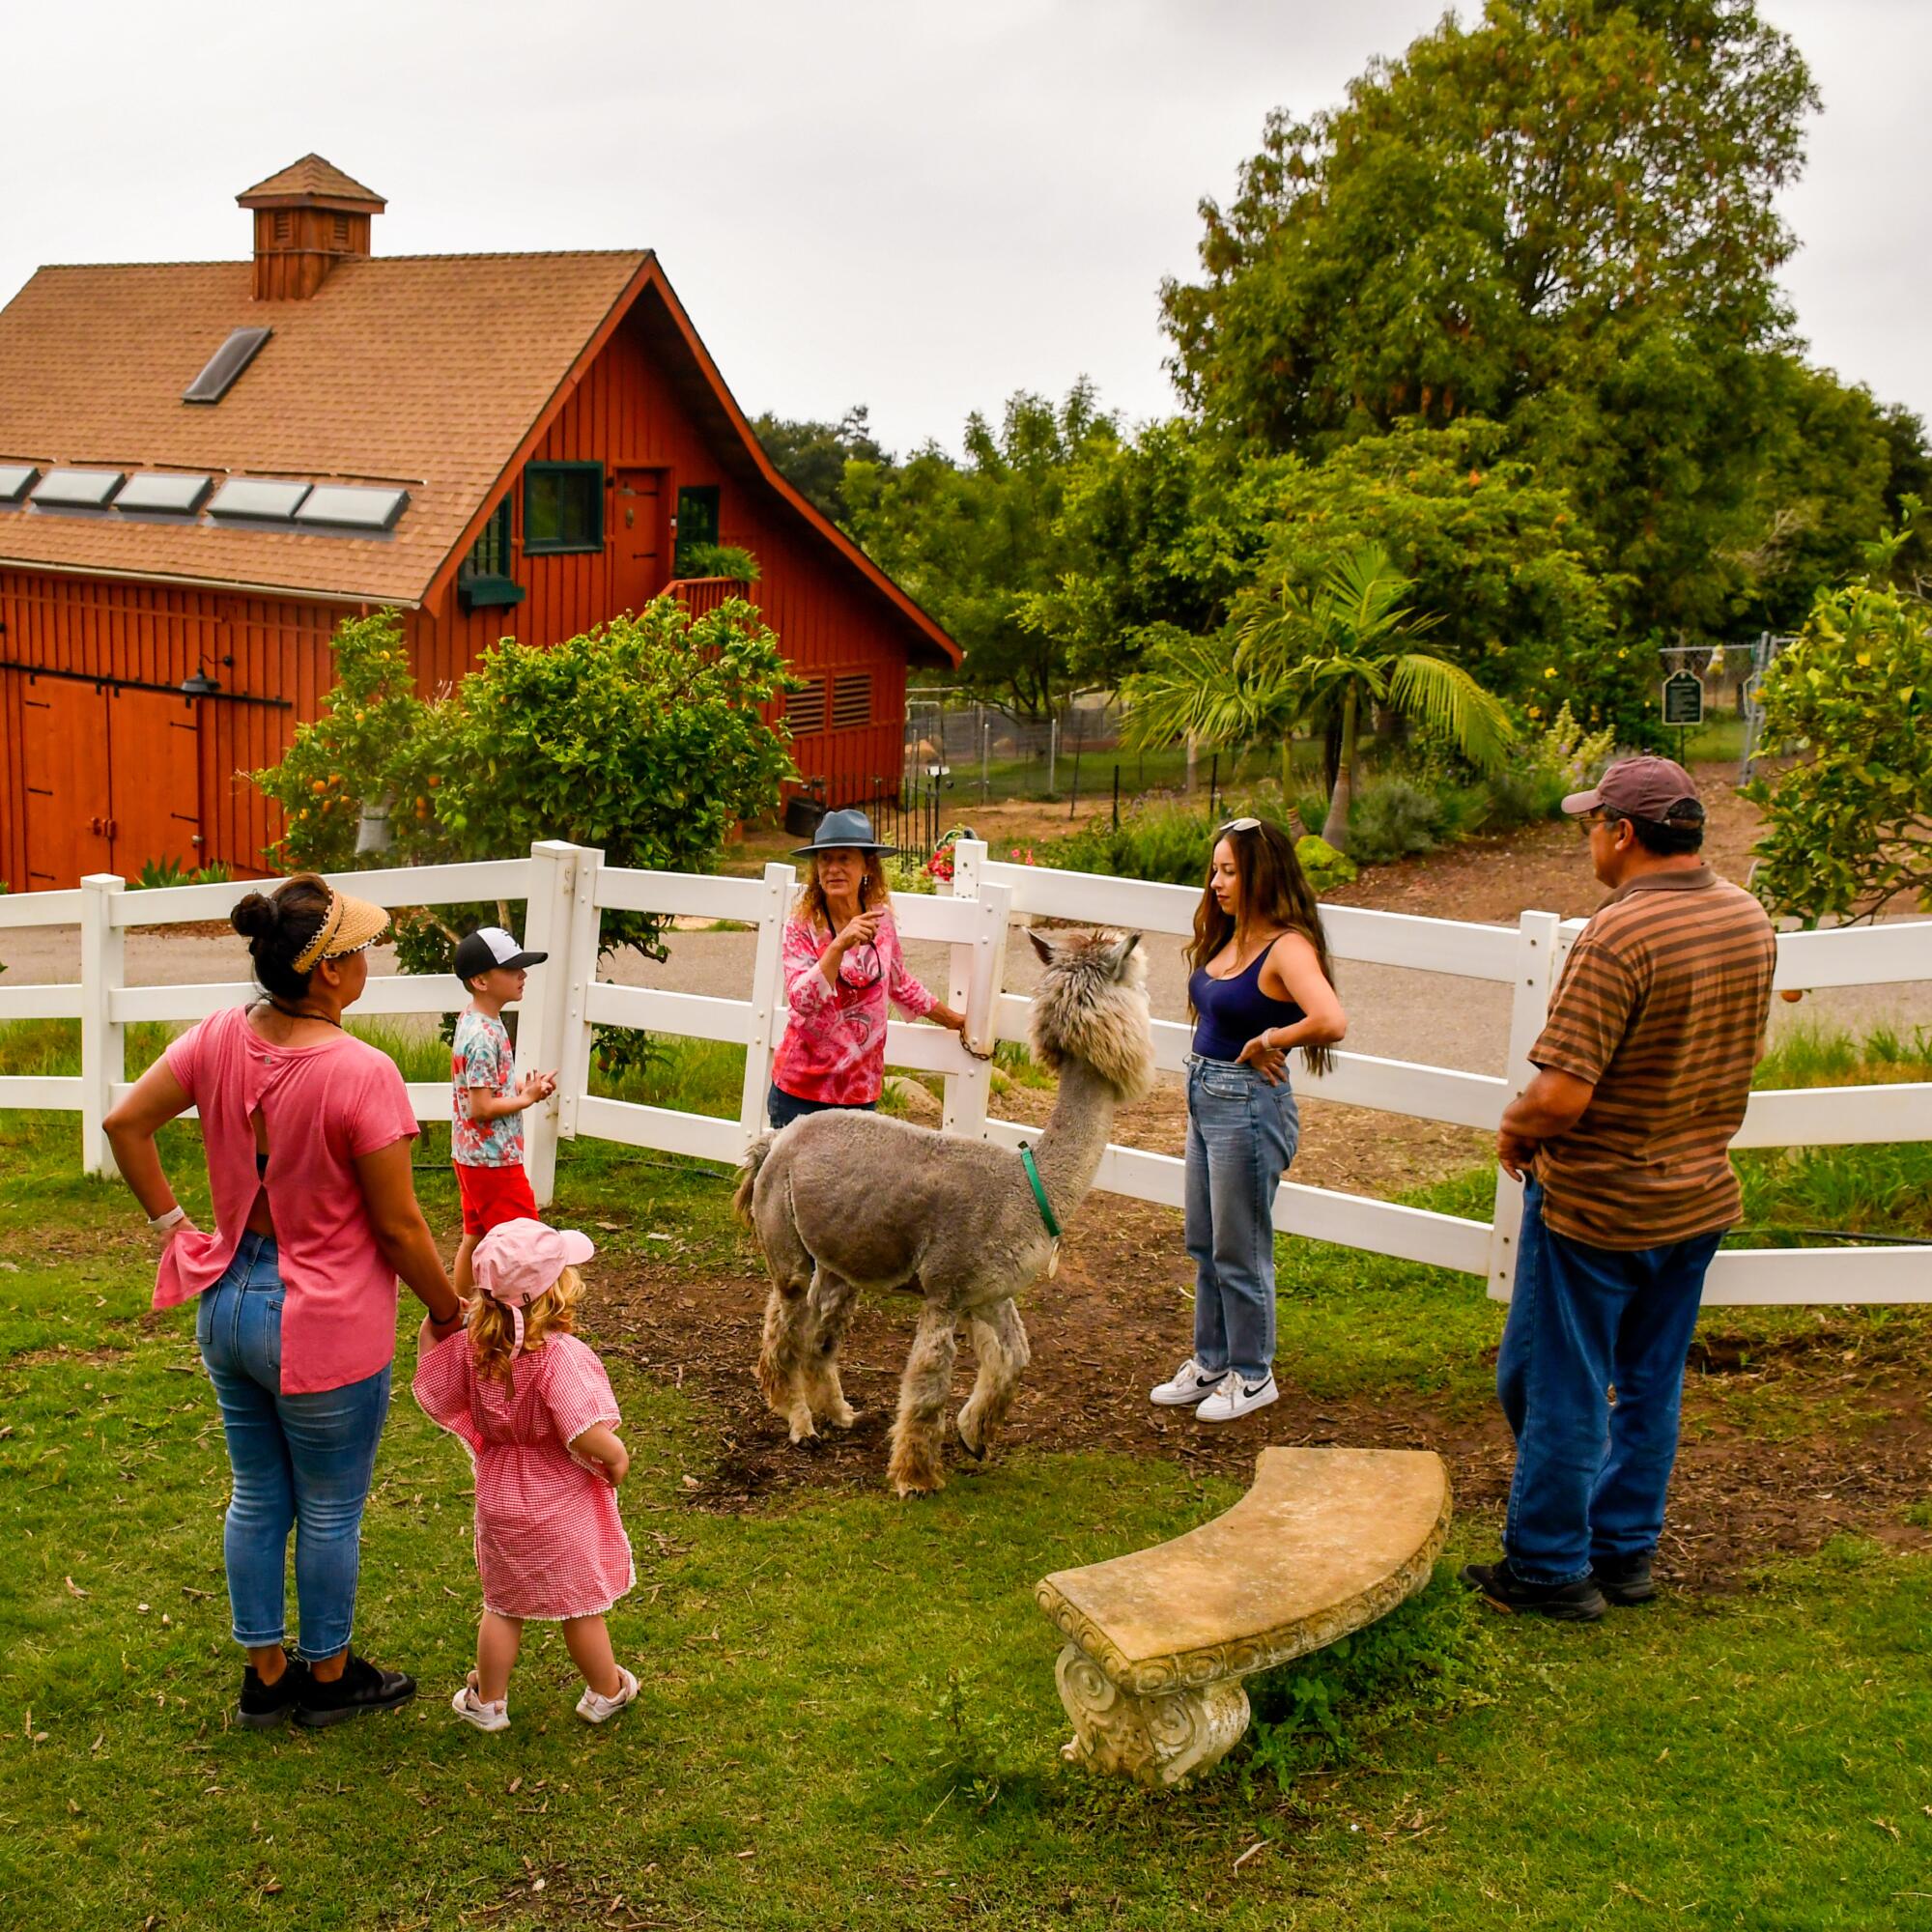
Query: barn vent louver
{"points": [[852, 701], [805, 710], [226, 365]]}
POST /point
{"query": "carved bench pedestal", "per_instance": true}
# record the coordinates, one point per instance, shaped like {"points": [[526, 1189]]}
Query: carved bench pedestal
{"points": [[1327, 1541]]}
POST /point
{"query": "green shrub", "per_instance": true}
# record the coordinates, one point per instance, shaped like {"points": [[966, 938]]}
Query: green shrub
{"points": [[1324, 865], [1396, 818], [706, 560], [162, 872], [1164, 840], [1433, 1655]]}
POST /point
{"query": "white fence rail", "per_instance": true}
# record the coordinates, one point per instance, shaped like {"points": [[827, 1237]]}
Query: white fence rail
{"points": [[568, 890]]}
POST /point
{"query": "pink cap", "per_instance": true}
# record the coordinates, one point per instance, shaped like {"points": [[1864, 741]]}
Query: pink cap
{"points": [[517, 1260]]}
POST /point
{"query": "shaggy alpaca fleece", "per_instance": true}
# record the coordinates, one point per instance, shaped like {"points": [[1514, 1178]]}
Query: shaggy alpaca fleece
{"points": [[1090, 1009]]}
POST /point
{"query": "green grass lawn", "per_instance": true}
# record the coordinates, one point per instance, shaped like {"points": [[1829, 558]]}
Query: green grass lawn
{"points": [[849, 1715]]}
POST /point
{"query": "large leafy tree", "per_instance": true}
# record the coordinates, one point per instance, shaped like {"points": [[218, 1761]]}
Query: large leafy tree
{"points": [[811, 456], [1317, 655], [975, 541], [1560, 218]]}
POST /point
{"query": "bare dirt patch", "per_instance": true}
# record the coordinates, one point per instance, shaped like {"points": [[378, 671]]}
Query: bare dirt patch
{"points": [[1114, 1323]]}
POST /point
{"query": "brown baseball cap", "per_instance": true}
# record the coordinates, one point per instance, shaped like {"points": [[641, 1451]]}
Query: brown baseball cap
{"points": [[1647, 787]]}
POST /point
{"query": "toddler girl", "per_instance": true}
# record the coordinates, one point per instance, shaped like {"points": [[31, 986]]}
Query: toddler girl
{"points": [[535, 1407]]}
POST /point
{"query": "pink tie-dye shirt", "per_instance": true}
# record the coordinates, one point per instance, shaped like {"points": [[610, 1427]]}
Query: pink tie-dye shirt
{"points": [[834, 1049]]}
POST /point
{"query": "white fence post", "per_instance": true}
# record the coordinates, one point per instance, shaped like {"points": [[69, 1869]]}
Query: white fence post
{"points": [[572, 1046], [978, 974], [1537, 953], [103, 1059], [547, 928], [767, 991]]}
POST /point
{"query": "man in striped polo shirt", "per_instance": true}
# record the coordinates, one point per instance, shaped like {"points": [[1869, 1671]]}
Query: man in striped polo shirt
{"points": [[1643, 1068]]}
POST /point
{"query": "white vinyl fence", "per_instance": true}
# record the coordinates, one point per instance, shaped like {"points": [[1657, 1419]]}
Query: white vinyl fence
{"points": [[569, 888]]}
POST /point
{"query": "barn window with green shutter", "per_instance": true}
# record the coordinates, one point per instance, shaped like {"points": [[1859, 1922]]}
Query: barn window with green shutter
{"points": [[485, 578], [564, 508], [697, 524]]}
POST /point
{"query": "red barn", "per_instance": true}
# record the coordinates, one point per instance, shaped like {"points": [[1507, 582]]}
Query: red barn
{"points": [[206, 466]]}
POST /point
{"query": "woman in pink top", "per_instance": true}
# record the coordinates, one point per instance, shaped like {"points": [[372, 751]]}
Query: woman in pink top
{"points": [[842, 964], [307, 1133]]}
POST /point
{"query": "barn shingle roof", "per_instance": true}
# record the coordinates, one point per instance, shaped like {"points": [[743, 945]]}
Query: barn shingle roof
{"points": [[424, 371], [311, 178]]}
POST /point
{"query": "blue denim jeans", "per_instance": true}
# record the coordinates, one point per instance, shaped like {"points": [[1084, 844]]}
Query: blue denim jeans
{"points": [[1591, 1478], [1241, 1134], [783, 1108], [300, 1461]]}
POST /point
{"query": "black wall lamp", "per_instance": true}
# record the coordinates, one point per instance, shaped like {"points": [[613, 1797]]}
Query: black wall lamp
{"points": [[198, 684]]}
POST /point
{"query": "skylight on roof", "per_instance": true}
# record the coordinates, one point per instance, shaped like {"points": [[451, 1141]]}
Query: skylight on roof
{"points": [[15, 480], [78, 489], [257, 498], [178, 495], [350, 507], [226, 365]]}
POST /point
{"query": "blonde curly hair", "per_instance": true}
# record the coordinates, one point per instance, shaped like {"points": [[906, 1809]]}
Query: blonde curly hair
{"points": [[492, 1331]]}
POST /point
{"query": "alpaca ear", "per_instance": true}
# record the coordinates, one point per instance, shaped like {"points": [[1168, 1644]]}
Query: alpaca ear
{"points": [[1043, 947], [1120, 952]]}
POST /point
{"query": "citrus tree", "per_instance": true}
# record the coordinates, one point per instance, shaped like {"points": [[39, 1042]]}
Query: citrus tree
{"points": [[1849, 824], [1299, 654], [642, 737]]}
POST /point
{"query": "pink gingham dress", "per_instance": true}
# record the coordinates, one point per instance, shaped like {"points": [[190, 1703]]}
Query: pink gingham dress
{"points": [[834, 1049], [549, 1543]]}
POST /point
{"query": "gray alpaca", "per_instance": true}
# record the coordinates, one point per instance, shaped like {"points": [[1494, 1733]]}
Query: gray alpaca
{"points": [[841, 1202]]}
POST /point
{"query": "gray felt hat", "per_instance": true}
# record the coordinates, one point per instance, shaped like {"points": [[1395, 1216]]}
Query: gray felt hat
{"points": [[845, 831]]}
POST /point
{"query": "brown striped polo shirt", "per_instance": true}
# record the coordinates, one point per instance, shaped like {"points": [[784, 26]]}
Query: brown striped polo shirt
{"points": [[1661, 1007]]}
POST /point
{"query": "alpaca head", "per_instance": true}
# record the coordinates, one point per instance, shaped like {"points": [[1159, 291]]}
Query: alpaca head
{"points": [[1092, 1006]]}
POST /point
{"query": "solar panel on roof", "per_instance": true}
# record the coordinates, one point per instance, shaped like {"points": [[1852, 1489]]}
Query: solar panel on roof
{"points": [[78, 489], [227, 362], [349, 506], [15, 480], [257, 498], [181, 496]]}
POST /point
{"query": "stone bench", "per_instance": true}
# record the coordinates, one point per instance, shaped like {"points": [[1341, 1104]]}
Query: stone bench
{"points": [[1327, 1541]]}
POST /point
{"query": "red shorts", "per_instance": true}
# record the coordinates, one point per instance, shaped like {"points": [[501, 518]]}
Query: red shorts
{"points": [[493, 1194]]}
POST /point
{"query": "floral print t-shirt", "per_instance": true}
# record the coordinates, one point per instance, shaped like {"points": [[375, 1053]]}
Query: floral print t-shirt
{"points": [[834, 1049], [480, 1055]]}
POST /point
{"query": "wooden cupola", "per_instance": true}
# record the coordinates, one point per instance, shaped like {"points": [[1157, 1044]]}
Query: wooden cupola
{"points": [[307, 218]]}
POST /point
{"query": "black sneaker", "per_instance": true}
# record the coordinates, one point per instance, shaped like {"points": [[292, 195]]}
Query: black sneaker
{"points": [[264, 1706], [1578, 1602], [1625, 1580], [362, 1688]]}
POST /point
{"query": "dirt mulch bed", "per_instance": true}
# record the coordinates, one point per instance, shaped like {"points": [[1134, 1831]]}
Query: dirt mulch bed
{"points": [[1114, 1323]]}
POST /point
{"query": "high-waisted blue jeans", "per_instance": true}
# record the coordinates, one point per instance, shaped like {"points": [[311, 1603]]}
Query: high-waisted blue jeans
{"points": [[1591, 1480], [1241, 1134], [300, 1461]]}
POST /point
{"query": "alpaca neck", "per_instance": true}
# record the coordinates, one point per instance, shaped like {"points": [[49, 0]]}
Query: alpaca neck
{"points": [[1076, 1134]]}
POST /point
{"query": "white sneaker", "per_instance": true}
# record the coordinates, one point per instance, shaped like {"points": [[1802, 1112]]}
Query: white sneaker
{"points": [[593, 1706], [473, 1709], [1190, 1383], [1235, 1398]]}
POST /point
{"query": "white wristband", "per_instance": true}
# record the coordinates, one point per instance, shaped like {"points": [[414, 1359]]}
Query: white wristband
{"points": [[171, 1219]]}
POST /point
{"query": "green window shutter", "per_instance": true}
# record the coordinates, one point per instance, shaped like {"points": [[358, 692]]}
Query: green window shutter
{"points": [[696, 523]]}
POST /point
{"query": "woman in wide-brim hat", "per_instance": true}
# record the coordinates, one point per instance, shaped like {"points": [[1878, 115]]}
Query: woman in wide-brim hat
{"points": [[842, 966], [307, 1134]]}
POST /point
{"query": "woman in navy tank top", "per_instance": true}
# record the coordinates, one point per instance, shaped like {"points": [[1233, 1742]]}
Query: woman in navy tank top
{"points": [[1260, 987]]}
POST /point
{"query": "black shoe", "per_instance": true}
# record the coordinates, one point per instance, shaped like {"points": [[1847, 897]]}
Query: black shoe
{"points": [[360, 1689], [1578, 1602], [1625, 1580], [264, 1706]]}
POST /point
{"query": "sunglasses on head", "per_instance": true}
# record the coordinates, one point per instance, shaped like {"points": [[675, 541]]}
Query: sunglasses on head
{"points": [[1241, 825]]}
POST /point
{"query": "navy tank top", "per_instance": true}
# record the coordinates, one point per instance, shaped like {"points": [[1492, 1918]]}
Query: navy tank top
{"points": [[1231, 1012]]}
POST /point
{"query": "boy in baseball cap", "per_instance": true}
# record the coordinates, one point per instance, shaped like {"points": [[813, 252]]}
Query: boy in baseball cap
{"points": [[486, 1141]]}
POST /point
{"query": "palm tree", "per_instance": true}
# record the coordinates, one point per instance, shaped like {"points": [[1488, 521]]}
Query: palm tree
{"points": [[1310, 656]]}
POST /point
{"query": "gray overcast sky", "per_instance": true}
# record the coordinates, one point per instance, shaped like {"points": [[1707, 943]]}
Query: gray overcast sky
{"points": [[921, 207]]}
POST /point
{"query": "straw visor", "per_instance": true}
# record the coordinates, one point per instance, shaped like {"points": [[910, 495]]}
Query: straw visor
{"points": [[349, 926]]}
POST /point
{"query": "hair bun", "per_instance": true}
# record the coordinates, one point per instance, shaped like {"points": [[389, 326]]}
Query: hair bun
{"points": [[253, 916]]}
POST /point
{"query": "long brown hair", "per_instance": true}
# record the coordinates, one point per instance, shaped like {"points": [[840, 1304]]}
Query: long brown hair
{"points": [[1274, 893], [492, 1330], [874, 891]]}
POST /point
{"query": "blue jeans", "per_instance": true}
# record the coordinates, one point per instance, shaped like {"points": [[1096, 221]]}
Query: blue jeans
{"points": [[785, 1108], [1591, 1479], [1241, 1134], [300, 1461]]}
